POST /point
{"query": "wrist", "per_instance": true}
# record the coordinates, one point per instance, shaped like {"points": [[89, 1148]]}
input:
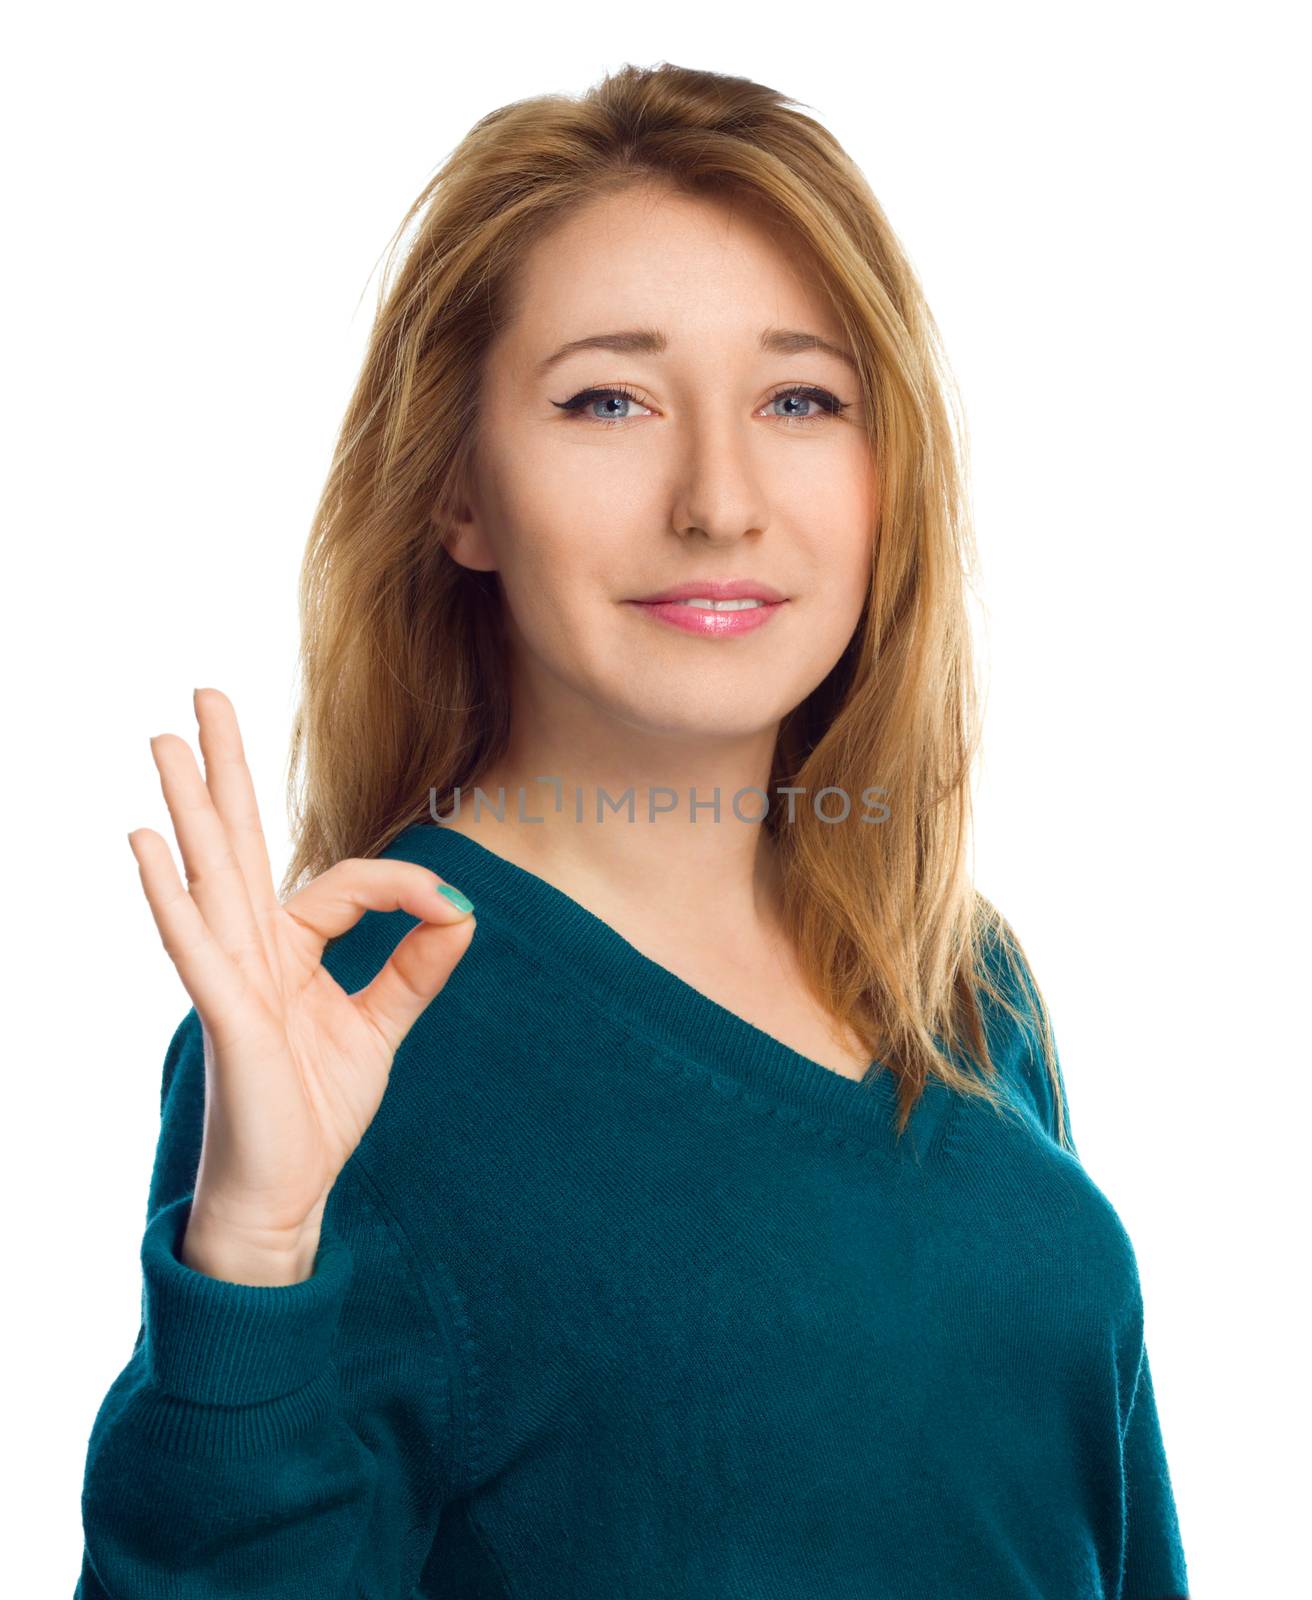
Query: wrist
{"points": [[263, 1258]]}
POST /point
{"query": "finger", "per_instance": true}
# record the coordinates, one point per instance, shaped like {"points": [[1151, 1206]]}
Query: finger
{"points": [[336, 900], [416, 971], [209, 977], [228, 779], [215, 880]]}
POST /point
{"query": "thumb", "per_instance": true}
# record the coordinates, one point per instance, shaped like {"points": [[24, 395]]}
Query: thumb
{"points": [[416, 971]]}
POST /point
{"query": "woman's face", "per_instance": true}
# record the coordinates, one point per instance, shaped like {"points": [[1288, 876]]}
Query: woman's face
{"points": [[706, 469]]}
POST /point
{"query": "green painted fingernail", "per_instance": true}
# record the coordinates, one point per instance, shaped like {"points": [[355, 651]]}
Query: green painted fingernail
{"points": [[460, 901]]}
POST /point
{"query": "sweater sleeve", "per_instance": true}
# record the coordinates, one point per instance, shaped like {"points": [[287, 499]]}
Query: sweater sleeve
{"points": [[286, 1442], [1154, 1558]]}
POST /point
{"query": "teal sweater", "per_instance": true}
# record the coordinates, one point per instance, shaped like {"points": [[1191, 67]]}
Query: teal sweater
{"points": [[620, 1296]]}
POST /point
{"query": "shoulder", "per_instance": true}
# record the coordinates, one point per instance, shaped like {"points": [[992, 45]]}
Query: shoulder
{"points": [[1021, 1037]]}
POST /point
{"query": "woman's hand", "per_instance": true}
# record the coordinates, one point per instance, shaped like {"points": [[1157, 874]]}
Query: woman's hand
{"points": [[295, 1067]]}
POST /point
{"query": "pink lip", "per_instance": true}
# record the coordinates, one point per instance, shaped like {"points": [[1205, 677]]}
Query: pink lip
{"points": [[710, 624], [711, 589]]}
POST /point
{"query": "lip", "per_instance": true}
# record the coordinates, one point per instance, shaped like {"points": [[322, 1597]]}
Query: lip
{"points": [[713, 589], [707, 623]]}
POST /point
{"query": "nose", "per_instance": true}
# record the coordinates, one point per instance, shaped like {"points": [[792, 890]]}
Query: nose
{"points": [[719, 497]]}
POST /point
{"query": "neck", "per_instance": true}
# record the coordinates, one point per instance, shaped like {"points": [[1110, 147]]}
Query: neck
{"points": [[631, 821]]}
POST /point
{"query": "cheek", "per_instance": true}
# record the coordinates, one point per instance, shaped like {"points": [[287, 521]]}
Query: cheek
{"points": [[559, 579], [836, 522], [565, 565], [557, 511], [574, 546]]}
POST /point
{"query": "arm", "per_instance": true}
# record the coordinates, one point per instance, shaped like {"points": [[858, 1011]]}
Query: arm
{"points": [[283, 1441], [1154, 1558]]}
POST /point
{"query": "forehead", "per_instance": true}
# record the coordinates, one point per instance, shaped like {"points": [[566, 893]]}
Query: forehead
{"points": [[701, 268]]}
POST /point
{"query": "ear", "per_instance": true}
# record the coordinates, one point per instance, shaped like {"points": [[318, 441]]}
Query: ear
{"points": [[462, 534]]}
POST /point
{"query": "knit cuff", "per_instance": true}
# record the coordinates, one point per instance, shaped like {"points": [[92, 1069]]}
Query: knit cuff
{"points": [[231, 1344]]}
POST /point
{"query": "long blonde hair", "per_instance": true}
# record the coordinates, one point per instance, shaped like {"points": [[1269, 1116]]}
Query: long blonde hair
{"points": [[404, 690]]}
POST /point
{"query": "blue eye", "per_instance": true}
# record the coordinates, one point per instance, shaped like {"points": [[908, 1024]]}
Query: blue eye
{"points": [[576, 404], [829, 404]]}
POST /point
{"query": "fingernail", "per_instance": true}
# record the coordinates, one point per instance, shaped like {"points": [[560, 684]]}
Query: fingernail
{"points": [[458, 900]]}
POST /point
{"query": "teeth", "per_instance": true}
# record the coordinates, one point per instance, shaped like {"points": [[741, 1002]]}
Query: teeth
{"points": [[720, 605]]}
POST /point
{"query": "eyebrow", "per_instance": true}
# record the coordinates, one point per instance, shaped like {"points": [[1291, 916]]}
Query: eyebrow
{"points": [[652, 342]]}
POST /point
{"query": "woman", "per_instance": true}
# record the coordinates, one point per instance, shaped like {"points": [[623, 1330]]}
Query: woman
{"points": [[695, 1214]]}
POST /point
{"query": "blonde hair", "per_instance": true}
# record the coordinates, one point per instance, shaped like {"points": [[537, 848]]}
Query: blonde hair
{"points": [[403, 664]]}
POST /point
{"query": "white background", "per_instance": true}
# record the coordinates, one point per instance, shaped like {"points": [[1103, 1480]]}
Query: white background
{"points": [[1105, 207]]}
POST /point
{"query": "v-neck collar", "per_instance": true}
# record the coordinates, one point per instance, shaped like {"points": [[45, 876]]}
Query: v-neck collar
{"points": [[560, 933]]}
